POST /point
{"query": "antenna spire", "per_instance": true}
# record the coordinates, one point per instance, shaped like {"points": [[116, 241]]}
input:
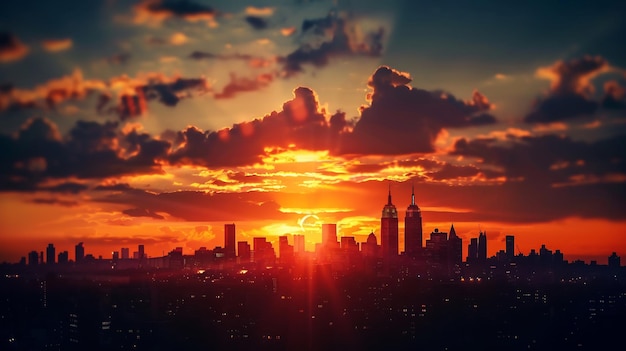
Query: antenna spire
{"points": [[389, 196], [412, 194]]}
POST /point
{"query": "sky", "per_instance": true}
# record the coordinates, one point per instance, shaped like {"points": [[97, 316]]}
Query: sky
{"points": [[157, 122]]}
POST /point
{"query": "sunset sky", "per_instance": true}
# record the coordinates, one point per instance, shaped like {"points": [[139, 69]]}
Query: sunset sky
{"points": [[157, 122]]}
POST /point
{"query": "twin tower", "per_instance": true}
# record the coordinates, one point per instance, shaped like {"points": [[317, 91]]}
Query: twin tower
{"points": [[412, 228]]}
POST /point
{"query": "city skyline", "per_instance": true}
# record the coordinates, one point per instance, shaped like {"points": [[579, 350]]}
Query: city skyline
{"points": [[157, 122], [417, 248]]}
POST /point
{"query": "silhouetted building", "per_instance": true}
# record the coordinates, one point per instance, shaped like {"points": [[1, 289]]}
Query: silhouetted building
{"points": [[79, 252], [176, 260], [141, 253], [33, 258], [348, 244], [472, 250], [437, 247], [455, 247], [614, 260], [545, 255], [389, 229], [329, 235], [244, 253], [370, 248], [285, 251], [482, 246], [116, 255], [50, 254], [64, 257], [229, 240], [125, 253], [298, 243], [413, 228], [263, 251], [510, 246]]}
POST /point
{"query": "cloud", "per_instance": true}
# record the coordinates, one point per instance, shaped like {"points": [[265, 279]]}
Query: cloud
{"points": [[238, 84], [142, 212], [129, 96], [72, 86], [259, 11], [253, 61], [330, 36], [571, 90], [301, 122], [198, 206], [614, 96], [57, 45], [401, 119], [11, 48], [256, 22], [547, 160], [154, 12], [53, 201], [90, 151], [178, 38]]}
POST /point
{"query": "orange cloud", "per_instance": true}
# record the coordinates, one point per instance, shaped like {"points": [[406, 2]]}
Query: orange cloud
{"points": [[154, 12], [259, 11], [56, 45], [179, 38]]}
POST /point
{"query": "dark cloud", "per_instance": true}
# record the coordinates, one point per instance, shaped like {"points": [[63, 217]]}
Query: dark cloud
{"points": [[166, 92], [67, 188], [401, 119], [198, 206], [330, 36], [614, 96], [571, 90], [301, 122], [450, 172], [256, 22], [549, 160], [91, 150], [11, 48]]}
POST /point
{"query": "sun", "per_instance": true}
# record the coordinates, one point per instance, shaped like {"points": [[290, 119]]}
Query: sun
{"points": [[304, 225]]}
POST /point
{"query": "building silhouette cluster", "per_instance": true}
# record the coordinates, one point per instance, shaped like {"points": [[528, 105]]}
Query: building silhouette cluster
{"points": [[441, 252], [343, 295]]}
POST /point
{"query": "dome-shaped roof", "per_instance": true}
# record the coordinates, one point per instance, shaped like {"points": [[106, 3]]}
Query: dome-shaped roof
{"points": [[371, 239]]}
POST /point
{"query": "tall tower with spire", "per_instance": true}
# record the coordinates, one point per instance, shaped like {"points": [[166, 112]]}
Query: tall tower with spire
{"points": [[413, 228], [389, 228]]}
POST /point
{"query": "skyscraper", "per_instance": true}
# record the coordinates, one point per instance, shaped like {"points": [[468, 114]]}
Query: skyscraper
{"points": [[298, 243], [472, 250], [413, 228], [482, 246], [229, 240], [244, 251], [510, 246], [50, 254], [79, 252], [33, 258], [141, 252], [389, 229], [125, 253], [455, 247], [329, 235]]}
